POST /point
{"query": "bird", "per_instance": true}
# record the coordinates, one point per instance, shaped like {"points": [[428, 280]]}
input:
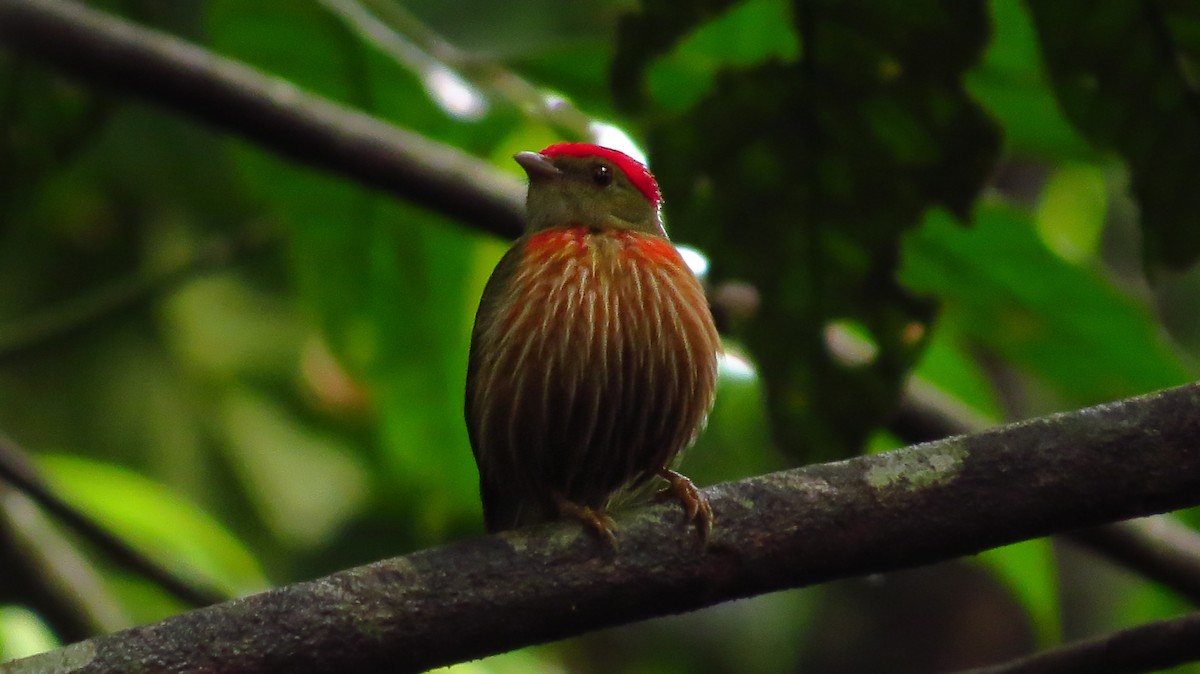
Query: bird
{"points": [[593, 357]]}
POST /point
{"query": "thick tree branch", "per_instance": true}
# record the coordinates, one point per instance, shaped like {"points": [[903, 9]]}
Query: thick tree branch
{"points": [[866, 515], [1145, 648], [267, 110], [1158, 548]]}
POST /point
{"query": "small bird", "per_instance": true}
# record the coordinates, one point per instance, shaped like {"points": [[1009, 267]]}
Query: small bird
{"points": [[593, 360]]}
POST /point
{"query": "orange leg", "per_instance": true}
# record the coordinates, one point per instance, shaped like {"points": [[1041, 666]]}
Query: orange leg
{"points": [[695, 503], [596, 519]]}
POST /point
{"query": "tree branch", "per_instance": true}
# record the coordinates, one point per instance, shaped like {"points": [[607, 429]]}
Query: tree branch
{"points": [[1157, 548], [270, 111], [42, 570], [1146, 648], [415, 46], [15, 469], [20, 336], [866, 515]]}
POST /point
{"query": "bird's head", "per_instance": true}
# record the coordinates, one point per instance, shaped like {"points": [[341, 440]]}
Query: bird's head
{"points": [[577, 184]]}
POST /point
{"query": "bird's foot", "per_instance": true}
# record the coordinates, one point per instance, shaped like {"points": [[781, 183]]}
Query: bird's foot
{"points": [[596, 519], [695, 503]]}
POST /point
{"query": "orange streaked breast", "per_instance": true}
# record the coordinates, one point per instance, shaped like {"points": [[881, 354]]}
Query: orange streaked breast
{"points": [[598, 370]]}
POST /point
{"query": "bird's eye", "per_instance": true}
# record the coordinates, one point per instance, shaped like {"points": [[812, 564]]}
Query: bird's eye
{"points": [[601, 175]]}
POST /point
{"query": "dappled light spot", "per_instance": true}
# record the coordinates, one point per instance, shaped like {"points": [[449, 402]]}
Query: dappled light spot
{"points": [[850, 343]]}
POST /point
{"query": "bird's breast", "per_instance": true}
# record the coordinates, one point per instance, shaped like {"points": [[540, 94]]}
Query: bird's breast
{"points": [[603, 354], [601, 293]]}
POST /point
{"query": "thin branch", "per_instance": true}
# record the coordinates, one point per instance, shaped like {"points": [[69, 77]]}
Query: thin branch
{"points": [[39, 330], [496, 81], [1146, 648], [926, 413], [18, 337], [41, 569], [17, 470], [1159, 548], [267, 110], [866, 515]]}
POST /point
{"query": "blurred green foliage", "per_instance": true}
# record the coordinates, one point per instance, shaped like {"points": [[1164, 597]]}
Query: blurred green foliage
{"points": [[966, 185], [832, 157]]}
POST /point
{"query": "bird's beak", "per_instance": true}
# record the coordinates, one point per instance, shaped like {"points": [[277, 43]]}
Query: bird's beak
{"points": [[537, 165]]}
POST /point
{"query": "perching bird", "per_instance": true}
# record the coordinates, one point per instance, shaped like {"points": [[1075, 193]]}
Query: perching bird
{"points": [[594, 356]]}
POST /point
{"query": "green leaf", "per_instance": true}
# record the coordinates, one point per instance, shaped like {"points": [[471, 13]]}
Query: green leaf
{"points": [[305, 483], [157, 521], [1125, 75], [949, 366], [1010, 82], [387, 282], [801, 177], [1071, 211], [1064, 323], [749, 33], [299, 41], [23, 633]]}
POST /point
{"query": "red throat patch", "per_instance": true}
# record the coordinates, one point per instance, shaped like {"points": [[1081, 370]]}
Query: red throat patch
{"points": [[633, 169], [574, 241]]}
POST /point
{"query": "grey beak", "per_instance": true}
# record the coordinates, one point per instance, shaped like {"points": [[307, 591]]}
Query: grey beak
{"points": [[536, 165]]}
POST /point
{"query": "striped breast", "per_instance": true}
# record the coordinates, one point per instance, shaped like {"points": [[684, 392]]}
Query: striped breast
{"points": [[596, 365]]}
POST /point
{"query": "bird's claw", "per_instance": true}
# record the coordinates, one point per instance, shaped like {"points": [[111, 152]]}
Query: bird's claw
{"points": [[596, 519], [695, 503]]}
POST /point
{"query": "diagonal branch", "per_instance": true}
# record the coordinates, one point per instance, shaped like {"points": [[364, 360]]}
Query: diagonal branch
{"points": [[18, 337], [17, 470], [1146, 648], [866, 515], [269, 110], [40, 568], [1158, 548]]}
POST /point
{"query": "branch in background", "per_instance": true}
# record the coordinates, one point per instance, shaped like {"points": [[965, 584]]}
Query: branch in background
{"points": [[19, 337], [1159, 548], [395, 30], [926, 414], [17, 470], [866, 515], [269, 111], [75, 611], [1146, 648], [42, 570]]}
